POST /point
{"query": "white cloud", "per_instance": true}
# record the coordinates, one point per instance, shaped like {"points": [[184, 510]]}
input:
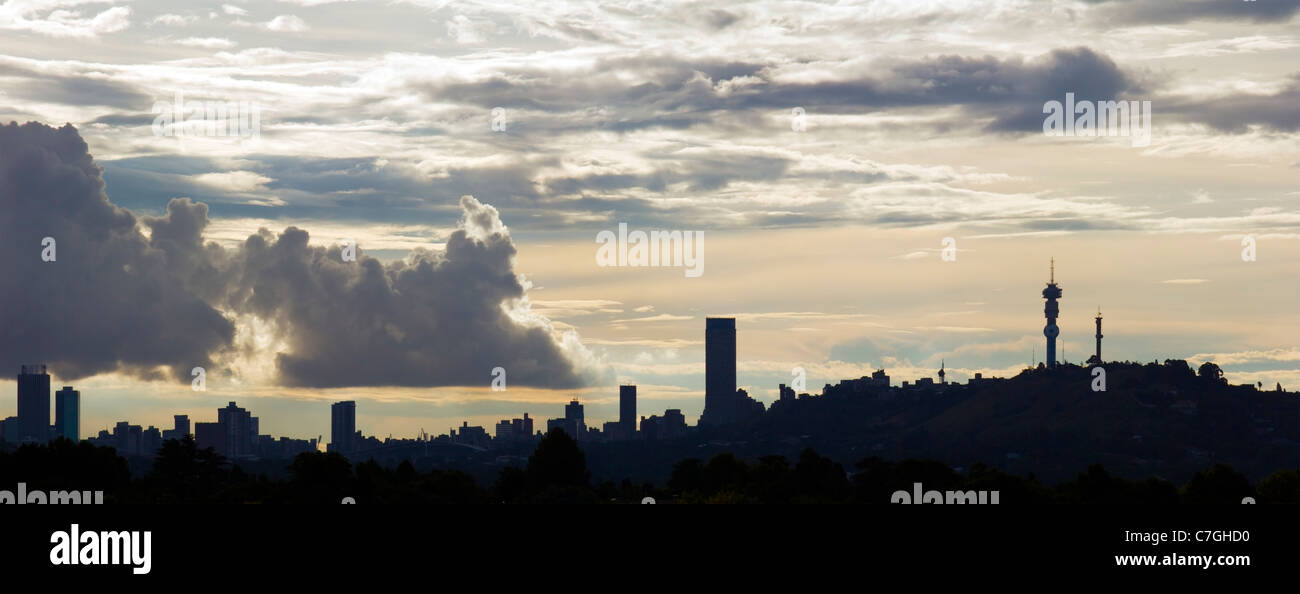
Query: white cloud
{"points": [[206, 42], [233, 10], [53, 19], [287, 23], [174, 20]]}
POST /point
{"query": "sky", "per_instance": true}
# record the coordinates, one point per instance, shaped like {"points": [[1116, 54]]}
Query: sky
{"points": [[872, 181]]}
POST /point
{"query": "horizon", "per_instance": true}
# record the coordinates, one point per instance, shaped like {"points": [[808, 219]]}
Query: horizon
{"points": [[863, 187]]}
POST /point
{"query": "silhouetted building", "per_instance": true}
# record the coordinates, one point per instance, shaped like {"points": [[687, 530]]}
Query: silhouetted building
{"points": [[210, 435], [785, 394], [9, 430], [240, 428], [1050, 311], [33, 404], [181, 429], [474, 436], [627, 410], [673, 424], [573, 413], [719, 371], [343, 426], [569, 426], [942, 375], [67, 414]]}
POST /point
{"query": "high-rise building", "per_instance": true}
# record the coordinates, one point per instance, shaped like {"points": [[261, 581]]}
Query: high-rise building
{"points": [[237, 424], [627, 410], [33, 404], [719, 371], [343, 426], [67, 414], [573, 413], [1050, 311]]}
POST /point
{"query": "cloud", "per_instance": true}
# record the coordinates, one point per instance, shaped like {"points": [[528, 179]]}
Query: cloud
{"points": [[54, 19], [174, 20], [287, 22], [1134, 12], [116, 300], [111, 300], [233, 10], [206, 42]]}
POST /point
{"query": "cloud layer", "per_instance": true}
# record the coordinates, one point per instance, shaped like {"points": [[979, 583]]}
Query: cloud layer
{"points": [[162, 302]]}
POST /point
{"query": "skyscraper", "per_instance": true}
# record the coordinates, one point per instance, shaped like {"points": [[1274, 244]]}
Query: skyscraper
{"points": [[719, 371], [1050, 310], [238, 426], [33, 404], [343, 426], [575, 415], [627, 410], [67, 413]]}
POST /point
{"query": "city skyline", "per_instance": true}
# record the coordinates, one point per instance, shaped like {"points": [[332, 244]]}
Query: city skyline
{"points": [[721, 394], [388, 219]]}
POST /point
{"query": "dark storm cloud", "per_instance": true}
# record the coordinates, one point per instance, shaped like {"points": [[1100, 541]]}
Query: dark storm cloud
{"points": [[680, 92], [1147, 12], [114, 300], [435, 319], [109, 300]]}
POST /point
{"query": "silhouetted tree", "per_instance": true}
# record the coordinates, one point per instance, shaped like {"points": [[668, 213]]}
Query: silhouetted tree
{"points": [[1219, 484], [1282, 486], [1210, 372]]}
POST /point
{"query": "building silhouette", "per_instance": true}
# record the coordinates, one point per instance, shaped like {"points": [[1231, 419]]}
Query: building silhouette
{"points": [[343, 426], [67, 414], [719, 371], [1051, 310], [33, 404], [181, 428], [627, 410]]}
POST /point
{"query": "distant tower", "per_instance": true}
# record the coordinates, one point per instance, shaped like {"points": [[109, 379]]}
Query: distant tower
{"points": [[67, 413], [941, 373], [1051, 294], [1098, 355], [627, 410], [719, 371], [33, 405]]}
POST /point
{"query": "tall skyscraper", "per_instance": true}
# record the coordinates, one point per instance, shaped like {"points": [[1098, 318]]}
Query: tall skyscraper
{"points": [[343, 426], [627, 410], [33, 404], [238, 426], [67, 413], [719, 371], [1050, 310], [574, 414]]}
